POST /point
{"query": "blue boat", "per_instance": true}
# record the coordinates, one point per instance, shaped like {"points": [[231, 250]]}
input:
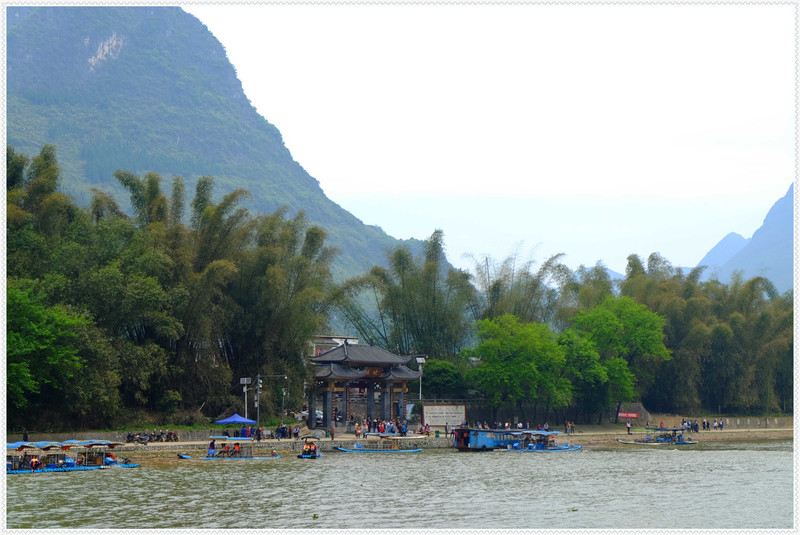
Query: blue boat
{"points": [[46, 456], [472, 439], [310, 449], [242, 450], [387, 444], [539, 442], [661, 436]]}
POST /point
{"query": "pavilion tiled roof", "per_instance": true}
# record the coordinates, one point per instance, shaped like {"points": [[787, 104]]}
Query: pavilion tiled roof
{"points": [[401, 373], [360, 355], [331, 370]]}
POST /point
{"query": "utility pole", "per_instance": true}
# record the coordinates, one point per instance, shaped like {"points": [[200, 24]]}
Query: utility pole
{"points": [[244, 381], [258, 398], [420, 360]]}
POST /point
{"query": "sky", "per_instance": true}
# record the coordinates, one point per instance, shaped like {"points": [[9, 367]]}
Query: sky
{"points": [[593, 130]]}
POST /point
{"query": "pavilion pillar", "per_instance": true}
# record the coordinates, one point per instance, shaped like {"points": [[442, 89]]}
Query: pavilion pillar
{"points": [[327, 408], [386, 401], [401, 406], [370, 402], [345, 403]]}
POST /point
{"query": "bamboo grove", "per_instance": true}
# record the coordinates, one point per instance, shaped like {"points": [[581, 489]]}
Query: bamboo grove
{"points": [[113, 315]]}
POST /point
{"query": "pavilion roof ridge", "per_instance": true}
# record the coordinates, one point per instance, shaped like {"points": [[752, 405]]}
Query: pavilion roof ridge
{"points": [[361, 355]]}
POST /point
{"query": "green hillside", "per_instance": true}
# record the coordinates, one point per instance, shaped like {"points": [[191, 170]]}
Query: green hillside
{"points": [[151, 89]]}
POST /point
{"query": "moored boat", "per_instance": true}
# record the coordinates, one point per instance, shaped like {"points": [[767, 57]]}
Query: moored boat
{"points": [[45, 456], [386, 444], [661, 436], [540, 441], [473, 439], [242, 448]]}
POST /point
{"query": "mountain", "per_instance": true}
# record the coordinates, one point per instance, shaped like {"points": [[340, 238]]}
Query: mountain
{"points": [[724, 250], [769, 253], [151, 89]]}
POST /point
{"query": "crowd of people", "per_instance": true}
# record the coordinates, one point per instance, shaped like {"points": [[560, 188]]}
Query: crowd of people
{"points": [[225, 451], [694, 426], [257, 433], [365, 425], [284, 431], [247, 431]]}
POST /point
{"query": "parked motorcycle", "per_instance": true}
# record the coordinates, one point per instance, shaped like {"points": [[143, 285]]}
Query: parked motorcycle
{"points": [[138, 438]]}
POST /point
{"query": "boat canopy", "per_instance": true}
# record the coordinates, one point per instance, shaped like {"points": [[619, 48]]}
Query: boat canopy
{"points": [[46, 445], [536, 432]]}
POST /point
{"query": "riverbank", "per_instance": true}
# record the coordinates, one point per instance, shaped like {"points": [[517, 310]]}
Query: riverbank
{"points": [[600, 437], [195, 442]]}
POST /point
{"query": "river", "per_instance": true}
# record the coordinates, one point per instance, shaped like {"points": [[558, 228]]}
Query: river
{"points": [[723, 486]]}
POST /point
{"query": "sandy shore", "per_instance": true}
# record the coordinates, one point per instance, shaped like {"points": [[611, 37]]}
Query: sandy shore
{"points": [[609, 438], [601, 437]]}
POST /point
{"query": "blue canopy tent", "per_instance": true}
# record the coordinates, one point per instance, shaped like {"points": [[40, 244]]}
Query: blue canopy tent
{"points": [[235, 419]]}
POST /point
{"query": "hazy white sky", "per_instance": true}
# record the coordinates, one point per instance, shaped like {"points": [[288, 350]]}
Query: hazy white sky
{"points": [[594, 130]]}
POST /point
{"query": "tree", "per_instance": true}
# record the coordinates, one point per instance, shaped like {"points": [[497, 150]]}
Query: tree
{"points": [[420, 306], [515, 288], [630, 341], [41, 348], [281, 295], [585, 371], [442, 379], [518, 362]]}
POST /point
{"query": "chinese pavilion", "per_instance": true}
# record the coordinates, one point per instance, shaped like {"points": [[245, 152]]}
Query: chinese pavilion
{"points": [[357, 370]]}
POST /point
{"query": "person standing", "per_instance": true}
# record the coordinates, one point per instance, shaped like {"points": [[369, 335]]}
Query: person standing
{"points": [[25, 435], [331, 431]]}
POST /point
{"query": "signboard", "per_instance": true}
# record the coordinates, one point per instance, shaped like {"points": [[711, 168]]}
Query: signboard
{"points": [[628, 414], [443, 414], [245, 380]]}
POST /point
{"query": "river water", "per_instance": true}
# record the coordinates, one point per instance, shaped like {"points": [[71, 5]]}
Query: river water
{"points": [[723, 486]]}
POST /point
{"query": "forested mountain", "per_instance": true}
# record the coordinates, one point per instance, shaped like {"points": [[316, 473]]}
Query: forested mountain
{"points": [[150, 89], [157, 300], [768, 253]]}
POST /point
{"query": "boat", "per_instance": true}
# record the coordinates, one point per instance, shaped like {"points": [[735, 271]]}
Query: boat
{"points": [[386, 444], [661, 436], [242, 449], [310, 450], [540, 441], [474, 439], [47, 456]]}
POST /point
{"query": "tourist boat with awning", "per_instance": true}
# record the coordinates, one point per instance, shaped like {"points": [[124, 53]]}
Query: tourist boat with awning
{"points": [[386, 444], [47, 456], [473, 439], [539, 441], [240, 449], [661, 436]]}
